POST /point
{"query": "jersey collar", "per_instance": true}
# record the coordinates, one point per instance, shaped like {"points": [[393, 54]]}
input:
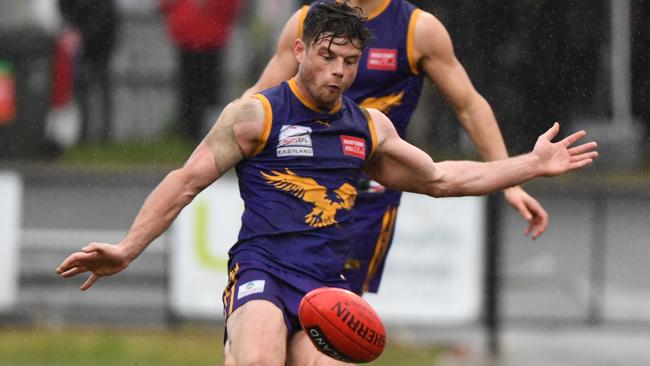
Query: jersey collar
{"points": [[308, 103], [377, 12]]}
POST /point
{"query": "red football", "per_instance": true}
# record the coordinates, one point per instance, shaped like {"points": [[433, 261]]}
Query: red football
{"points": [[342, 325]]}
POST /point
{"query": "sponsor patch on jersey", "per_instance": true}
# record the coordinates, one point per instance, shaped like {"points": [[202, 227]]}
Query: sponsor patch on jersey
{"points": [[251, 287], [295, 141], [382, 59], [354, 146]]}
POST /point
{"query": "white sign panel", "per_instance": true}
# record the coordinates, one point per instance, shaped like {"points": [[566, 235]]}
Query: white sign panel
{"points": [[201, 237], [10, 222], [434, 269]]}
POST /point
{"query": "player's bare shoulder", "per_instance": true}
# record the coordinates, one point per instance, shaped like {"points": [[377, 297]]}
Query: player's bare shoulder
{"points": [[293, 27], [241, 125], [384, 128], [431, 38], [246, 110]]}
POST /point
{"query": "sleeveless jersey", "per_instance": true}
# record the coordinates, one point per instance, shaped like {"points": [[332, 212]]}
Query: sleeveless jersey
{"points": [[301, 184], [388, 78]]}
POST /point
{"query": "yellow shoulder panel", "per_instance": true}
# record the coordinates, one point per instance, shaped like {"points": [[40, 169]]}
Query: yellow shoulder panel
{"points": [[268, 122]]}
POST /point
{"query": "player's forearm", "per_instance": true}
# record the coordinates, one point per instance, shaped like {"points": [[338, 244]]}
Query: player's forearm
{"points": [[480, 123], [469, 178], [159, 210]]}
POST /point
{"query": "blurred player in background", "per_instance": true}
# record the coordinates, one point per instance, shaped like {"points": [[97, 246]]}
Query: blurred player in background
{"points": [[96, 24], [200, 30], [410, 44], [299, 149]]}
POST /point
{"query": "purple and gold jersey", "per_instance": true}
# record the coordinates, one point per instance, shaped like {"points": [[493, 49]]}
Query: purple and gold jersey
{"points": [[388, 78], [301, 184]]}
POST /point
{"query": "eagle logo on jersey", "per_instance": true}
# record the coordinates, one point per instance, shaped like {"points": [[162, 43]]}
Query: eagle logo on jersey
{"points": [[385, 103], [308, 190]]}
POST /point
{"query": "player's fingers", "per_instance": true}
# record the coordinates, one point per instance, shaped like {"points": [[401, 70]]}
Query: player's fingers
{"points": [[528, 216], [535, 228], [540, 219], [518, 203], [586, 156], [521, 206], [61, 268], [542, 223], [580, 164], [93, 247], [589, 146], [524, 212], [89, 282], [79, 259], [552, 132], [73, 272], [571, 139], [68, 263], [539, 230], [529, 228]]}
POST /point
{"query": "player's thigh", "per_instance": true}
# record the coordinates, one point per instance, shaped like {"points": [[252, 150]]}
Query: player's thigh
{"points": [[302, 352], [257, 335]]}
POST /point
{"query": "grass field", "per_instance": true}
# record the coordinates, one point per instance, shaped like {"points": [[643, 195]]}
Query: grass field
{"points": [[161, 151], [186, 347]]}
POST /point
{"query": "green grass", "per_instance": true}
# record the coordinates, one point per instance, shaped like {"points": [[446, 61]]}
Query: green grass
{"points": [[186, 347], [77, 347], [160, 151]]}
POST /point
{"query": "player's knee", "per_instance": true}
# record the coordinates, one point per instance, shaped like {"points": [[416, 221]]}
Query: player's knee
{"points": [[229, 360]]}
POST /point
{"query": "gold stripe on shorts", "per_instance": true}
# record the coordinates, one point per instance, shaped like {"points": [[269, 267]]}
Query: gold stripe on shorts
{"points": [[388, 222], [229, 292]]}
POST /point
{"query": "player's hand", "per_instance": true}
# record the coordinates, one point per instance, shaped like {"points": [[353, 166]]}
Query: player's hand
{"points": [[559, 157], [529, 209], [97, 258]]}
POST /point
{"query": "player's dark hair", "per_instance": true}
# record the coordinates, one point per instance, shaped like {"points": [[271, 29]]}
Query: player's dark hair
{"points": [[336, 20]]}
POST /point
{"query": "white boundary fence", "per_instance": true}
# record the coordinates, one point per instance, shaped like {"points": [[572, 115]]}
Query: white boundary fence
{"points": [[10, 222]]}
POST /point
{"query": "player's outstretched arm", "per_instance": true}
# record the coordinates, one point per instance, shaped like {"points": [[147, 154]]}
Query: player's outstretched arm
{"points": [[283, 65], [234, 136], [399, 165]]}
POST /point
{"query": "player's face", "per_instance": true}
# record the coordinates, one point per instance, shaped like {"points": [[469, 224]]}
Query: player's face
{"points": [[328, 69]]}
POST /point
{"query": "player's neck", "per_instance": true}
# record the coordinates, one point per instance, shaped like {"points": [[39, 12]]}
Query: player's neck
{"points": [[368, 6], [309, 98]]}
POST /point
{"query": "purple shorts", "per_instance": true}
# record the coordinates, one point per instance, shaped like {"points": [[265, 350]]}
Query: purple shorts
{"points": [[257, 281]]}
